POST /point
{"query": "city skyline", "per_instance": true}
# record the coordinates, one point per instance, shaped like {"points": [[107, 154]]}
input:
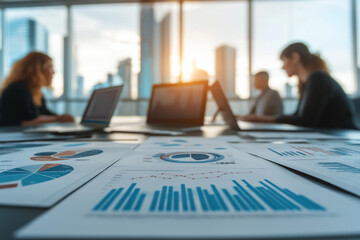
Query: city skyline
{"points": [[112, 33]]}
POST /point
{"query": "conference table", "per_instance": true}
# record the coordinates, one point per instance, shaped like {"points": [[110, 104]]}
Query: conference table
{"points": [[13, 218]]}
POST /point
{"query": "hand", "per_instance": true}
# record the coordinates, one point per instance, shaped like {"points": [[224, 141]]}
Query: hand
{"points": [[65, 118]]}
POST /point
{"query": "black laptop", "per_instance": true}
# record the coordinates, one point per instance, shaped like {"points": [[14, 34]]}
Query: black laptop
{"points": [[173, 108], [97, 115], [231, 120]]}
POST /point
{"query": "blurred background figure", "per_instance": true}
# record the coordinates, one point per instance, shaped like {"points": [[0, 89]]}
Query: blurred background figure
{"points": [[269, 101], [323, 103], [22, 101]]}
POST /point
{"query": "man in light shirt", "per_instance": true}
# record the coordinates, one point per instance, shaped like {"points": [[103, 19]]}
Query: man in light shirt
{"points": [[269, 101]]}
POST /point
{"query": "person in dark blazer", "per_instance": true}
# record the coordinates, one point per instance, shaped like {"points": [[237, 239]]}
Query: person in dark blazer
{"points": [[323, 103], [21, 101]]}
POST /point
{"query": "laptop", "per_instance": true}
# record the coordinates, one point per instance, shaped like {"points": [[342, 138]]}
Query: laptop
{"points": [[97, 115], [173, 108], [230, 118]]}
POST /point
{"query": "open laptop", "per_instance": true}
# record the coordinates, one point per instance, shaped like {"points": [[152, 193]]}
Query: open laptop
{"points": [[97, 115], [173, 108], [231, 120]]}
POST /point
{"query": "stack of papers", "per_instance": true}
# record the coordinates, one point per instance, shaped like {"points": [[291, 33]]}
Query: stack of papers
{"points": [[288, 135], [38, 174], [197, 188], [335, 163]]}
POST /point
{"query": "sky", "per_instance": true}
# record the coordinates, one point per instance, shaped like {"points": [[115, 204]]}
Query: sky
{"points": [[105, 34]]}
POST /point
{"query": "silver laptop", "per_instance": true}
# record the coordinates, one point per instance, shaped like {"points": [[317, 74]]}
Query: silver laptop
{"points": [[231, 120], [97, 115], [173, 108]]}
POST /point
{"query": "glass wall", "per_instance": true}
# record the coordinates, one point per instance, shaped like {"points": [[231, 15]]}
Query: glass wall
{"points": [[215, 44], [36, 29], [105, 37], [324, 25], [137, 44], [131, 44]]}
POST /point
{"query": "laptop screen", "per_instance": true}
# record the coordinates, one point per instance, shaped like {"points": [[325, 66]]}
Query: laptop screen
{"points": [[180, 104], [101, 106], [223, 105]]}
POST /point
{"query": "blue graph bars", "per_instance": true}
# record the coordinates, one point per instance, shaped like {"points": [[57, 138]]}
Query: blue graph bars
{"points": [[288, 153], [339, 167], [242, 197], [307, 151]]}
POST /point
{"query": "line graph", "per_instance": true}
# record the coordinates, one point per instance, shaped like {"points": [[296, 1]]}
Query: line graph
{"points": [[192, 176]]}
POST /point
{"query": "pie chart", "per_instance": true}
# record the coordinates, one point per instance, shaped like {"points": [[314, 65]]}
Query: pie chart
{"points": [[190, 157], [65, 155], [32, 174]]}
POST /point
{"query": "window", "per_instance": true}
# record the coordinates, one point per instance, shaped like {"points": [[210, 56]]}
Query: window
{"points": [[41, 29], [216, 45], [105, 37], [324, 25]]}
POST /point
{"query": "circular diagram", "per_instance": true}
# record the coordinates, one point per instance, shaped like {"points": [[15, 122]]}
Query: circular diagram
{"points": [[69, 154], [190, 157], [32, 174]]}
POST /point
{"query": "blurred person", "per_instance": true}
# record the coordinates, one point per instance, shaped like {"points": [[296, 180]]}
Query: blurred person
{"points": [[269, 101], [323, 103], [21, 101]]}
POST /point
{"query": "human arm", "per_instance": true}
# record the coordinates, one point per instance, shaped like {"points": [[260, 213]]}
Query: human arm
{"points": [[48, 119]]}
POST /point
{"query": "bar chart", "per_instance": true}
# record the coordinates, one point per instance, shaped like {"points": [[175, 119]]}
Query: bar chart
{"points": [[301, 151], [340, 167], [239, 196]]}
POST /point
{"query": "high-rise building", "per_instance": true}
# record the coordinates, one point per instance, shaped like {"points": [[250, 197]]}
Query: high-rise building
{"points": [[165, 67], [225, 69], [124, 72], [147, 33], [22, 36], [155, 50], [80, 86]]}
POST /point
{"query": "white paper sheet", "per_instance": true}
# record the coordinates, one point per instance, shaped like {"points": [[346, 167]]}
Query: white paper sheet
{"points": [[19, 136], [335, 163], [288, 135], [38, 174], [174, 197]]}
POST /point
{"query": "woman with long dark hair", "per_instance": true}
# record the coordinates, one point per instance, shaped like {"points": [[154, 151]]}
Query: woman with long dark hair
{"points": [[22, 101], [323, 103]]}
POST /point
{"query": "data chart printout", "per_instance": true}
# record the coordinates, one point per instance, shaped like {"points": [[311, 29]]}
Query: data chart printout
{"points": [[38, 174], [335, 163], [182, 194], [288, 135]]}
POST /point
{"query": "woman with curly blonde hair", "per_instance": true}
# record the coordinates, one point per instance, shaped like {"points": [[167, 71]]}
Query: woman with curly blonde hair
{"points": [[21, 101]]}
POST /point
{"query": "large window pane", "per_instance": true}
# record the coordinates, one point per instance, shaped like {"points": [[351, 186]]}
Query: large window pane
{"points": [[41, 29], [105, 36], [215, 44], [324, 25], [131, 44]]}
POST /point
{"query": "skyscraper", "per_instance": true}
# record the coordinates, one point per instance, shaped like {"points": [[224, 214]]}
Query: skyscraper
{"points": [[22, 36], [124, 72], [225, 69], [80, 86], [165, 24], [155, 50], [148, 56]]}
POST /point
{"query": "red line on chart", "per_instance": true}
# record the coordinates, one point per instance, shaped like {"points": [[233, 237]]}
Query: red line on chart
{"points": [[193, 176]]}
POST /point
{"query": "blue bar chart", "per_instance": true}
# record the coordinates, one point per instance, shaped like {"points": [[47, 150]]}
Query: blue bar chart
{"points": [[240, 196], [313, 151], [340, 167]]}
